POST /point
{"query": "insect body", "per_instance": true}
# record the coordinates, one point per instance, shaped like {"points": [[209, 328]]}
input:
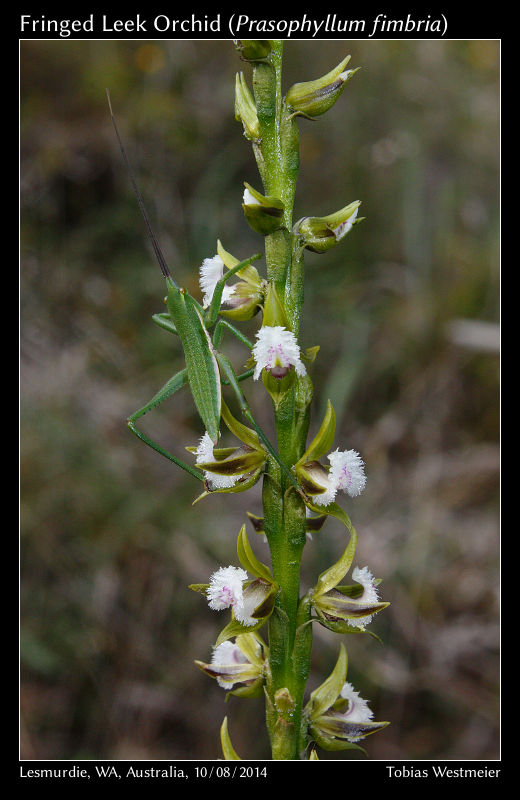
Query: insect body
{"points": [[205, 365]]}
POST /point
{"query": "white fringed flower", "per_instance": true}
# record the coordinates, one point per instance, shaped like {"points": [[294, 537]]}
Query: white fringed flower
{"points": [[211, 272], [369, 596], [276, 351], [225, 588], [204, 454], [358, 712], [226, 591], [228, 655], [347, 473]]}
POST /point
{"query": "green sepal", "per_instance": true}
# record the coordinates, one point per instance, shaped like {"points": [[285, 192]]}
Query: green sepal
{"points": [[253, 49], [266, 214], [278, 387], [331, 724], [201, 363], [247, 646], [274, 313], [313, 756], [332, 510], [310, 353], [242, 484], [332, 744], [248, 559], [324, 696], [246, 435], [309, 475], [228, 750], [199, 587], [254, 689], [249, 274], [235, 628], [322, 442], [344, 628], [332, 606], [242, 461], [245, 108], [248, 302], [332, 576]]}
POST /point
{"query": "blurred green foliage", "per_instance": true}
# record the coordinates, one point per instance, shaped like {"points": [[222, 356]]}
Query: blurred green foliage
{"points": [[405, 312]]}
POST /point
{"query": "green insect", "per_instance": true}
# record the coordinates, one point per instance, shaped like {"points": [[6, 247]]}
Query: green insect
{"points": [[206, 369]]}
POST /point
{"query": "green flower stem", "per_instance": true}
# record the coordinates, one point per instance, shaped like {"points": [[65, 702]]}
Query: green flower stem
{"points": [[284, 511]]}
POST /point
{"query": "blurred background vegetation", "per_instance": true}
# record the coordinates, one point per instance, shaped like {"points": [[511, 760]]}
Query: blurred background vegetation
{"points": [[406, 313]]}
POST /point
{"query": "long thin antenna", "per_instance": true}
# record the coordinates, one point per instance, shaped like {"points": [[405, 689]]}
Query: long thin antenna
{"points": [[155, 244]]}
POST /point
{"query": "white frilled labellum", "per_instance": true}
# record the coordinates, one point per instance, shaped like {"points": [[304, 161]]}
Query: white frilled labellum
{"points": [[204, 455], [276, 350], [347, 473], [226, 590], [211, 271]]}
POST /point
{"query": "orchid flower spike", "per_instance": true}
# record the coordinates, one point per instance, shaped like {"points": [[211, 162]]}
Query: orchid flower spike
{"points": [[276, 351]]}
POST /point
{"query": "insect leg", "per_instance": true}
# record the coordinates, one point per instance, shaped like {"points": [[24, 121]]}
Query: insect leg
{"points": [[169, 388]]}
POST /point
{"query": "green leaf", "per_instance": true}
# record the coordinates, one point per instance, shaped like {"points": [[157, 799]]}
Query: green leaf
{"points": [[322, 442], [248, 559], [325, 695]]}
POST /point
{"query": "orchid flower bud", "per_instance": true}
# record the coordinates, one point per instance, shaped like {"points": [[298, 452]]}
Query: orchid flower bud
{"points": [[264, 214], [319, 234], [312, 98], [245, 109], [253, 49]]}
